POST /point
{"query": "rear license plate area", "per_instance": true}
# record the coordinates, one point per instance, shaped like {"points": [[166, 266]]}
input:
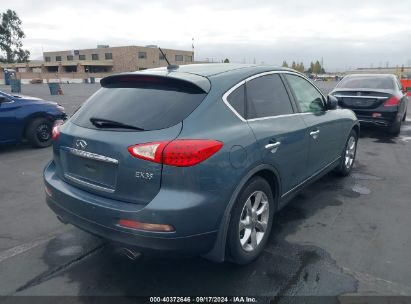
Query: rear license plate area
{"points": [[91, 171]]}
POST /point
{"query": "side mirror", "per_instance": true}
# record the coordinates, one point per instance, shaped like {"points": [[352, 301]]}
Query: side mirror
{"points": [[3, 99], [332, 102]]}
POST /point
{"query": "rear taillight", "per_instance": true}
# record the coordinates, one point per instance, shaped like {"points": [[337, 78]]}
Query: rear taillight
{"points": [[149, 151], [55, 132], [179, 153], [393, 101]]}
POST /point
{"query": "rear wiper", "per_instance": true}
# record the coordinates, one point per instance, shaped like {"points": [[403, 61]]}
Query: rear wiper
{"points": [[106, 123]]}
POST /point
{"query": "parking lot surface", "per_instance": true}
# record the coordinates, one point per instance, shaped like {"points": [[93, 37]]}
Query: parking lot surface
{"points": [[339, 236]]}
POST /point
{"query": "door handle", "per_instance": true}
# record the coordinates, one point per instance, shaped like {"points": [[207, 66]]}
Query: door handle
{"points": [[314, 134], [273, 146]]}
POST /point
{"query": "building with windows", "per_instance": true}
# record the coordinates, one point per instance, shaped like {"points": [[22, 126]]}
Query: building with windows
{"points": [[97, 62]]}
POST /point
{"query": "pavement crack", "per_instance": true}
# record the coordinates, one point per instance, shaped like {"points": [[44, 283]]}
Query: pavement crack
{"points": [[50, 273]]}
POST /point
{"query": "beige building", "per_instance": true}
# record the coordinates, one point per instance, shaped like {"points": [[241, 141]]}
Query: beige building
{"points": [[105, 59], [97, 62]]}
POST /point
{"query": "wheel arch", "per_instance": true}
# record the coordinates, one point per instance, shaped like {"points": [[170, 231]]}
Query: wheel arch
{"points": [[269, 173], [356, 128], [33, 116]]}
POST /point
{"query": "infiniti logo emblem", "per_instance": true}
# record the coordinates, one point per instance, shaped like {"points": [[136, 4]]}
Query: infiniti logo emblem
{"points": [[81, 144]]}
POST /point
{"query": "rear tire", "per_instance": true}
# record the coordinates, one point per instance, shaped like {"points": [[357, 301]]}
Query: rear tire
{"points": [[38, 132], [395, 128], [348, 155], [251, 221]]}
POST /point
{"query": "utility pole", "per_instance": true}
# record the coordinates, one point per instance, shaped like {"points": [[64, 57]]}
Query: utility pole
{"points": [[192, 47]]}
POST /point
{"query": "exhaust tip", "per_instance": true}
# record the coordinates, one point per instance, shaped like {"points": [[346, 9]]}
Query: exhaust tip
{"points": [[130, 253]]}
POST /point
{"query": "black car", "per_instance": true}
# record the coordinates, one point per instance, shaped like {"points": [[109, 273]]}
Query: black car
{"points": [[376, 99]]}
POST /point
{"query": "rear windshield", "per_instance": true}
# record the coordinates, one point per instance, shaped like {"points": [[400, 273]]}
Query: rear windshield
{"points": [[367, 82], [149, 105]]}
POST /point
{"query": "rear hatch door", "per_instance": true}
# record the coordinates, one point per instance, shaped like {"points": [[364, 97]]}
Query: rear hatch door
{"points": [[91, 152]]}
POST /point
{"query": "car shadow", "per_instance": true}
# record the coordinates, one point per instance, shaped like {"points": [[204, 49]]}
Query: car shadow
{"points": [[11, 148], [283, 269], [379, 135]]}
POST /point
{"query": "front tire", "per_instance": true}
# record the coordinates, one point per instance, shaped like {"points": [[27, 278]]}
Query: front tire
{"points": [[348, 155], [38, 132], [251, 221]]}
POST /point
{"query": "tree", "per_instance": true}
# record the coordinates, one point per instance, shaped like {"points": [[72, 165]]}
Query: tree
{"points": [[299, 67], [226, 60], [11, 36], [23, 56], [293, 66], [285, 64], [317, 67], [311, 68]]}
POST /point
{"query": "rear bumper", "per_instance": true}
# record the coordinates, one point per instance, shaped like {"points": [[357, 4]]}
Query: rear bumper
{"points": [[374, 122], [385, 120], [100, 216]]}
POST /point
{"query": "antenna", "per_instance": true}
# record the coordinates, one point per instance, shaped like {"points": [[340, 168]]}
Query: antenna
{"points": [[164, 55], [170, 67]]}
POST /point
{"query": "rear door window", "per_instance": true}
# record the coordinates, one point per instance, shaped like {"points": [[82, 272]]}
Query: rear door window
{"points": [[148, 103], [266, 97]]}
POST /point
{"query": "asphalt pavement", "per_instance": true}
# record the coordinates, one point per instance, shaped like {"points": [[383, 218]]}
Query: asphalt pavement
{"points": [[340, 236]]}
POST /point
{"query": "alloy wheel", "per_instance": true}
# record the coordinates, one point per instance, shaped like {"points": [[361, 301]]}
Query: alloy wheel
{"points": [[254, 220], [43, 132], [350, 152]]}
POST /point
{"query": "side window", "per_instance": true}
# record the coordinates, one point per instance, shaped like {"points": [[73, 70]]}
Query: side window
{"points": [[307, 96], [267, 96], [237, 101]]}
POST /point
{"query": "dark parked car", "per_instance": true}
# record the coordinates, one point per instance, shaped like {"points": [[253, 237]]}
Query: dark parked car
{"points": [[376, 99], [195, 160], [30, 118]]}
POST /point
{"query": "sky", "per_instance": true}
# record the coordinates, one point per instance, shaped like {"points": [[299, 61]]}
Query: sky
{"points": [[345, 34]]}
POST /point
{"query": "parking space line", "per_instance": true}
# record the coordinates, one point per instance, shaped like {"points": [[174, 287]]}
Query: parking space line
{"points": [[9, 253]]}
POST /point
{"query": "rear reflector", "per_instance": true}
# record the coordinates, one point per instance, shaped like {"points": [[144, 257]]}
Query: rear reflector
{"points": [[179, 153], [393, 101], [145, 226], [48, 191], [375, 115]]}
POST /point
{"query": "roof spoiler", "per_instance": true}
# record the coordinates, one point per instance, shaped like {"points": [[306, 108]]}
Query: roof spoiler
{"points": [[180, 79]]}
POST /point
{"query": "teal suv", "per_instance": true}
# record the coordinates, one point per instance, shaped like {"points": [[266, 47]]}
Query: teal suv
{"points": [[195, 159]]}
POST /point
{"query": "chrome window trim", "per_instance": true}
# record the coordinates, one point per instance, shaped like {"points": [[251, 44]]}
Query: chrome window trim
{"points": [[278, 116], [90, 155], [228, 92], [84, 183], [225, 96], [364, 97]]}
